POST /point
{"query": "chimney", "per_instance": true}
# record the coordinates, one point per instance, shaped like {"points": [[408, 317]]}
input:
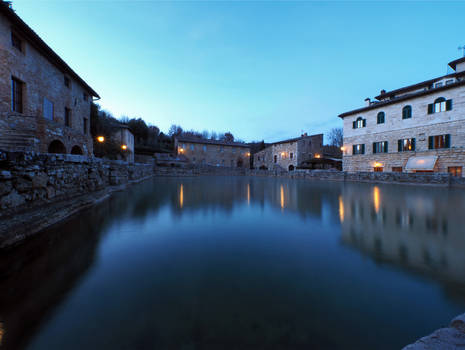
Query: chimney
{"points": [[367, 101], [382, 92]]}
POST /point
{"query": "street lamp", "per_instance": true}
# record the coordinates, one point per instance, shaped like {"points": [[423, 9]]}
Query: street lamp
{"points": [[101, 139], [124, 147]]}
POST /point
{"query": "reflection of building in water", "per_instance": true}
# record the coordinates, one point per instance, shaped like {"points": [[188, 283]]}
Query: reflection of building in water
{"points": [[413, 228]]}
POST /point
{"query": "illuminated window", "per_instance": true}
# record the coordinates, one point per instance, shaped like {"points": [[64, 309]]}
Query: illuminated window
{"points": [[455, 170], [406, 145]]}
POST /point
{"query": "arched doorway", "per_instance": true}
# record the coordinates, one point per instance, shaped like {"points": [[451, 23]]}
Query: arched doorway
{"points": [[57, 146], [263, 168], [76, 150], [291, 167]]}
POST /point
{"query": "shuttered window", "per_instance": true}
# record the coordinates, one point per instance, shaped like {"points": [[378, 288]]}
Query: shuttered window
{"points": [[440, 105], [16, 95], [359, 123], [380, 147], [358, 149], [439, 141], [407, 112], [406, 145], [380, 118]]}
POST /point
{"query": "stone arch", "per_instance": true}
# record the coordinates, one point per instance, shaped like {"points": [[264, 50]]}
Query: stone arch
{"points": [[291, 167], [76, 150], [56, 146]]}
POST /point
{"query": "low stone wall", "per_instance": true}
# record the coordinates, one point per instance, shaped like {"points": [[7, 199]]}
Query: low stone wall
{"points": [[29, 179], [200, 171], [450, 338]]}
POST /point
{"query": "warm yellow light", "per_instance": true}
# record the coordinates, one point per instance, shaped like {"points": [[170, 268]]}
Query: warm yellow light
{"points": [[248, 154], [317, 156], [124, 147], [378, 165], [181, 196], [181, 150], [101, 139], [248, 193], [282, 196], [343, 148], [341, 209], [376, 198], [283, 154]]}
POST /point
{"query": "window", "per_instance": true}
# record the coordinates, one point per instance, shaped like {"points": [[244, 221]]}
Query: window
{"points": [[407, 112], [85, 96], [455, 170], [380, 118], [380, 147], [437, 85], [359, 123], [48, 109], [67, 116], [450, 81], [221, 149], [16, 95], [67, 82], [358, 149], [440, 105], [85, 126], [378, 169], [16, 42], [258, 158], [406, 145], [192, 147], [204, 148], [291, 155], [275, 158], [396, 169], [439, 141]]}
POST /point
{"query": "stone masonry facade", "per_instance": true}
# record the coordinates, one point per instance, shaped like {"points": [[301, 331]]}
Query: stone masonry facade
{"points": [[289, 154], [422, 125], [214, 153], [54, 102]]}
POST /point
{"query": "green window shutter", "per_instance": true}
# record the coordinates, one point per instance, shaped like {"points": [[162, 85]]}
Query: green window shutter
{"points": [[448, 105], [353, 149], [404, 114], [363, 149], [399, 145], [413, 144], [430, 142], [374, 147], [364, 122], [447, 141], [430, 108], [386, 148], [354, 125]]}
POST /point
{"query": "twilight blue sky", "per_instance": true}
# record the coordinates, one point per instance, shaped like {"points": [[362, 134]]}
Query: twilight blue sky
{"points": [[260, 69]]}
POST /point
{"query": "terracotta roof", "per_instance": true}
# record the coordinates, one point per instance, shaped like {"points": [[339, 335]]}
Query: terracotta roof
{"points": [[211, 142], [295, 139], [27, 33], [402, 98]]}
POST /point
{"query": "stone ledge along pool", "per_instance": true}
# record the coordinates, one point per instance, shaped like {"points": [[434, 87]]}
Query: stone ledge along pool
{"points": [[240, 263]]}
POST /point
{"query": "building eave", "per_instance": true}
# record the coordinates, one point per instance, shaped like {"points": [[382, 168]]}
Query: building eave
{"points": [[400, 99], [19, 26], [212, 142]]}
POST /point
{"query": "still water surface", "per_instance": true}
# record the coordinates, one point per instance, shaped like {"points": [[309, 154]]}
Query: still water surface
{"points": [[241, 263]]}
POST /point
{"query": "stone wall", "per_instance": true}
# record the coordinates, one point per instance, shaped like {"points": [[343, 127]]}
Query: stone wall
{"points": [[29, 179]]}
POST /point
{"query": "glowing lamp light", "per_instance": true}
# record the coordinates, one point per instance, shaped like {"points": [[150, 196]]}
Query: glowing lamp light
{"points": [[317, 156], [248, 154], [283, 154], [124, 147], [181, 150], [101, 139], [378, 165], [343, 148]]}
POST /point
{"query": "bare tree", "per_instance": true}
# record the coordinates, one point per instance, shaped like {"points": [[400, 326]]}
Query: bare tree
{"points": [[335, 136]]}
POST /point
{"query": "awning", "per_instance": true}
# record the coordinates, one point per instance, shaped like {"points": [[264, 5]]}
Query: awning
{"points": [[421, 163]]}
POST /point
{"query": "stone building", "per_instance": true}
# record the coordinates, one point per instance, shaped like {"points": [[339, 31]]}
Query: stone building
{"points": [[289, 154], [417, 128], [44, 104], [213, 152], [125, 138]]}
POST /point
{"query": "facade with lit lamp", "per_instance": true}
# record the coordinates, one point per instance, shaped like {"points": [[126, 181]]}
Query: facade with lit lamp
{"points": [[213, 152], [417, 128], [289, 154]]}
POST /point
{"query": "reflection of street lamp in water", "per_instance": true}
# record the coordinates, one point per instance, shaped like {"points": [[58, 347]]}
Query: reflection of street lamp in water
{"points": [[282, 196], [181, 196]]}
